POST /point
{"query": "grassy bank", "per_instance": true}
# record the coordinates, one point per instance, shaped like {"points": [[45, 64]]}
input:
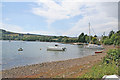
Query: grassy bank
{"points": [[108, 66]]}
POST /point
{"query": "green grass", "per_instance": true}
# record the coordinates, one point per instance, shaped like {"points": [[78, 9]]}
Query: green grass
{"points": [[108, 66], [99, 70]]}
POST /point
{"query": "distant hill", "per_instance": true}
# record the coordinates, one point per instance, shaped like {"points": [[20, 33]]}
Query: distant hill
{"points": [[8, 32], [7, 35]]}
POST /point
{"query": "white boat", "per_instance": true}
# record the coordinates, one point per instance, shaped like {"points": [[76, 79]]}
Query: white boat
{"points": [[56, 48], [94, 46], [110, 77]]}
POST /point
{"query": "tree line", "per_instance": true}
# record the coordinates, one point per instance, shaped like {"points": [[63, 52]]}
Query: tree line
{"points": [[112, 38], [33, 37]]}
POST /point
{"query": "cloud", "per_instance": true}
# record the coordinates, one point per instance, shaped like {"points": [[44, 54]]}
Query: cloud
{"points": [[102, 16], [13, 28], [7, 19], [53, 11], [64, 9], [98, 14], [60, 0]]}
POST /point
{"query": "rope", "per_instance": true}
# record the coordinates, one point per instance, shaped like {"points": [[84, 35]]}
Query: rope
{"points": [[93, 30]]}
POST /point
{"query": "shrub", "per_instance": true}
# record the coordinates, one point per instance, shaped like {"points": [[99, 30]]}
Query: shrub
{"points": [[109, 66]]}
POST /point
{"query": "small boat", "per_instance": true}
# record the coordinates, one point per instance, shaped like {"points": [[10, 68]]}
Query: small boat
{"points": [[20, 49], [110, 77], [99, 51], [56, 48], [78, 43], [56, 45], [94, 46]]}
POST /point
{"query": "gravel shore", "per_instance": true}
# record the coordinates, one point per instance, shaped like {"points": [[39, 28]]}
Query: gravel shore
{"points": [[52, 69], [71, 68]]}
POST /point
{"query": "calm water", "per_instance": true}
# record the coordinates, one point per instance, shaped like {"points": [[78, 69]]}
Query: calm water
{"points": [[32, 54]]}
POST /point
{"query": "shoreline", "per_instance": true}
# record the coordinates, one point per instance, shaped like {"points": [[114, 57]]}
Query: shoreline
{"points": [[44, 41], [52, 69], [44, 63]]}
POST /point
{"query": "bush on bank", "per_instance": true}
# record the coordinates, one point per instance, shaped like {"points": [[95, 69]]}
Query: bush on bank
{"points": [[109, 66]]}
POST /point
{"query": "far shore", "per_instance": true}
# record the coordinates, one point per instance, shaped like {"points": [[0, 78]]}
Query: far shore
{"points": [[71, 68], [72, 43]]}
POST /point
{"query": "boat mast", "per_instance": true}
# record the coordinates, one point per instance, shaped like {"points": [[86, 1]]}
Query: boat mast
{"points": [[89, 33]]}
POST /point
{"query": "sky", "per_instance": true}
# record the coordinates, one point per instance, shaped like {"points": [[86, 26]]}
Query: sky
{"points": [[60, 17]]}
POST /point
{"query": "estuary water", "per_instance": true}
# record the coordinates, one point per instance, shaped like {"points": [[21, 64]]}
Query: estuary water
{"points": [[36, 52]]}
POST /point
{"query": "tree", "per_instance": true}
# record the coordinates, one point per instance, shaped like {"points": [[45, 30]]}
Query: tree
{"points": [[118, 31], [65, 40], [81, 38], [87, 39], [111, 33], [113, 38], [94, 40], [107, 41], [95, 35]]}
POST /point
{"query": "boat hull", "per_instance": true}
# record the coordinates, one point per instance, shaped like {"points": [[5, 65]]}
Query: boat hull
{"points": [[56, 48], [93, 46], [98, 52]]}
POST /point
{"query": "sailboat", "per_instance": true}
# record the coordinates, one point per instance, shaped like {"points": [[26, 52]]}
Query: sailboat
{"points": [[93, 46]]}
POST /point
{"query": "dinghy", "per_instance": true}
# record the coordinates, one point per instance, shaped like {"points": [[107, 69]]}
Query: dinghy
{"points": [[99, 51], [20, 49]]}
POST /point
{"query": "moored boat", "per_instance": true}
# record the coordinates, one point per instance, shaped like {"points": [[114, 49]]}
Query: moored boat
{"points": [[94, 46], [20, 49], [56, 48], [99, 51]]}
